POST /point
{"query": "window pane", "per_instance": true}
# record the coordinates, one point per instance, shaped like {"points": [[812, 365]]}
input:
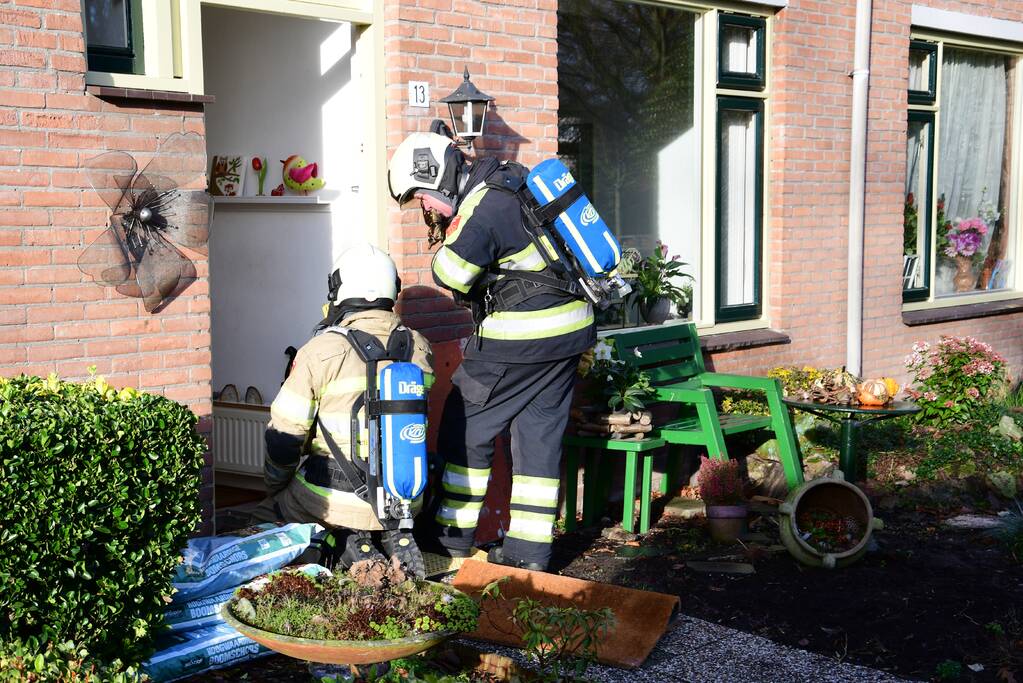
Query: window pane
{"points": [[738, 218], [972, 239], [740, 53], [915, 249], [919, 69], [106, 22], [628, 122]]}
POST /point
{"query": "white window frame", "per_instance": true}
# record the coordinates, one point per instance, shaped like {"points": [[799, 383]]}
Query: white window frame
{"points": [[1014, 210]]}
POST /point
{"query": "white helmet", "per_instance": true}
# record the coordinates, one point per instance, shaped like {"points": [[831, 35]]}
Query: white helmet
{"points": [[363, 276], [424, 162]]}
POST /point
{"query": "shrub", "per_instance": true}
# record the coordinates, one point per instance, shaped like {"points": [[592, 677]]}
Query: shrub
{"points": [[719, 481], [32, 662], [100, 491], [793, 379], [978, 447], [952, 379]]}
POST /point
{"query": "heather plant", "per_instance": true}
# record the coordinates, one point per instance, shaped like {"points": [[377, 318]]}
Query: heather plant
{"points": [[720, 482], [953, 379]]}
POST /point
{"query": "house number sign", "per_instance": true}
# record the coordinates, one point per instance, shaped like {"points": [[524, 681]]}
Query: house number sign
{"points": [[418, 94]]}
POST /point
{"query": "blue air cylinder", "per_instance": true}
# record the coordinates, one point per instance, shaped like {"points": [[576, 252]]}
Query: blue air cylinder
{"points": [[402, 435], [583, 230]]}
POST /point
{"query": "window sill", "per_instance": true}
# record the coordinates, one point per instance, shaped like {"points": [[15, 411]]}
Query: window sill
{"points": [[741, 340], [965, 312], [112, 92]]}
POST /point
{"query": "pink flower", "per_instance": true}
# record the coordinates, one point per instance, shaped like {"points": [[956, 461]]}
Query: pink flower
{"points": [[930, 396], [924, 373], [949, 404], [972, 392]]}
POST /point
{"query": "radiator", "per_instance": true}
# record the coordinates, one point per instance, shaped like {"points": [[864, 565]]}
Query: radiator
{"points": [[238, 445]]}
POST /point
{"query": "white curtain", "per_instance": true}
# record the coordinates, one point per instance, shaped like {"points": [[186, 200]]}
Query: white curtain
{"points": [[738, 204], [973, 107], [740, 49]]}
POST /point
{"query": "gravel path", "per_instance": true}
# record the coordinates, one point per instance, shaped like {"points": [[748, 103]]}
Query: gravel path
{"points": [[697, 651]]}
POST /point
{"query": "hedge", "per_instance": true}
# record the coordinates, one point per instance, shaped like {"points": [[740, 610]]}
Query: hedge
{"points": [[100, 490]]}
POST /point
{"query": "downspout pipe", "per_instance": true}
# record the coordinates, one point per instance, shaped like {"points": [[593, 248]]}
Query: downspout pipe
{"points": [[857, 188]]}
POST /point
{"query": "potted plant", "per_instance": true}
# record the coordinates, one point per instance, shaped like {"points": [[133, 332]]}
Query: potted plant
{"points": [[657, 286], [613, 384], [372, 613], [721, 488]]}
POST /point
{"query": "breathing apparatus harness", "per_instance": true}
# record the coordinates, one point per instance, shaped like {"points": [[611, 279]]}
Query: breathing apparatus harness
{"points": [[503, 289], [395, 420]]}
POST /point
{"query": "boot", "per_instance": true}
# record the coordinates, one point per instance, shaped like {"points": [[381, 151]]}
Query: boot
{"points": [[359, 546], [399, 543], [496, 556]]}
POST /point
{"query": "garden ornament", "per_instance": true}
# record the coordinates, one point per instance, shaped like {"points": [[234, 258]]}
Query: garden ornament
{"points": [[151, 211], [301, 176]]}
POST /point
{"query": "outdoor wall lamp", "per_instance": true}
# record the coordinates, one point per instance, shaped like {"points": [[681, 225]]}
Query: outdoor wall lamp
{"points": [[468, 108]]}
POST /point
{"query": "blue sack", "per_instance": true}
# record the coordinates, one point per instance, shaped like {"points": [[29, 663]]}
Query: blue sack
{"points": [[402, 435], [583, 230]]}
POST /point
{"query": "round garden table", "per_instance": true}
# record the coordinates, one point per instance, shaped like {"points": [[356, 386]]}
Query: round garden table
{"points": [[850, 418]]}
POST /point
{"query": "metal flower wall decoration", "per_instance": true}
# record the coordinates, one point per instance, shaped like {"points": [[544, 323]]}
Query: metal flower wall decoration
{"points": [[151, 211]]}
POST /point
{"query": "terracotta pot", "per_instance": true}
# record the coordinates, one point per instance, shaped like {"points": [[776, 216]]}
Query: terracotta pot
{"points": [[655, 312], [726, 522], [965, 279], [339, 651]]}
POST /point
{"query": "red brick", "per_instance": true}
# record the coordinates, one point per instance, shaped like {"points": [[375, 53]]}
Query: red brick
{"points": [[21, 18], [112, 347], [53, 198], [22, 58], [22, 334], [163, 378], [24, 257], [22, 99], [49, 352], [82, 330], [115, 309]]}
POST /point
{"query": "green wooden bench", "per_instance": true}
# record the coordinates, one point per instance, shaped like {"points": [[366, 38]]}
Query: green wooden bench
{"points": [[671, 356]]}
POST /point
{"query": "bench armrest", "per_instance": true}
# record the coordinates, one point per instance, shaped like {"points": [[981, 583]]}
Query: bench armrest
{"points": [[719, 379], [684, 392]]}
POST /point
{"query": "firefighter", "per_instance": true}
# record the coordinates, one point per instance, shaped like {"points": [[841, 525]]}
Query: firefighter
{"points": [[325, 380], [519, 365]]}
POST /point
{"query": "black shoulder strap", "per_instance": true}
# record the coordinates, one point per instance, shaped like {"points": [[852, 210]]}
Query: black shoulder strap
{"points": [[366, 345], [400, 345]]}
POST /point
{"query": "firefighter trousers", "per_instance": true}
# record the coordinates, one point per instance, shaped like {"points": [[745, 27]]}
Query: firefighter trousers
{"points": [[533, 401]]}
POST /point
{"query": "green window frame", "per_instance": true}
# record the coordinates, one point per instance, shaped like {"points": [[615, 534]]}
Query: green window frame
{"points": [[724, 312], [923, 217], [929, 95], [117, 59], [742, 80]]}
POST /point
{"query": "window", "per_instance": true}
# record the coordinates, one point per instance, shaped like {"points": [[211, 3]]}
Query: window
{"points": [[958, 235], [633, 127], [113, 34]]}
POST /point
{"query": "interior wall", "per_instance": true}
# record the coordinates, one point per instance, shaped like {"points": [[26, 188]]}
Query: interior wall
{"points": [[283, 86]]}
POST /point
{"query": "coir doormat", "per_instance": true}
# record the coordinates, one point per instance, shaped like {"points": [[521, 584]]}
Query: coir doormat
{"points": [[641, 617]]}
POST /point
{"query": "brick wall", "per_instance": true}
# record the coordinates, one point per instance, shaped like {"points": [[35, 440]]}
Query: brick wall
{"points": [[511, 50], [808, 180], [52, 317]]}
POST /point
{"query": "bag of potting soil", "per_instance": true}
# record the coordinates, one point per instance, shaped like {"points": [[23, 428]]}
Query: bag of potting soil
{"points": [[203, 612], [212, 564], [187, 653]]}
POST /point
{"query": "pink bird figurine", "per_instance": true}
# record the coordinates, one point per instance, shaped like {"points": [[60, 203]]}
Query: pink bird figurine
{"points": [[300, 176]]}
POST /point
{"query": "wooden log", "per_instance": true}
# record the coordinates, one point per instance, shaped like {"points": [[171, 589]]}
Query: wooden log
{"points": [[644, 417], [614, 419], [616, 429]]}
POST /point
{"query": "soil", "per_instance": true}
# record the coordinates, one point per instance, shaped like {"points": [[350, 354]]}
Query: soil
{"points": [[928, 600], [926, 596]]}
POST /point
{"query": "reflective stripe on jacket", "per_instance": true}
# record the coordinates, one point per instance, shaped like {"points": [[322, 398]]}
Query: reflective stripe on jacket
{"points": [[327, 376], [488, 231]]}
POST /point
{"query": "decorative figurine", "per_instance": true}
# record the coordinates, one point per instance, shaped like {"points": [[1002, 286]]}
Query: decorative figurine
{"points": [[259, 166], [277, 191], [300, 176]]}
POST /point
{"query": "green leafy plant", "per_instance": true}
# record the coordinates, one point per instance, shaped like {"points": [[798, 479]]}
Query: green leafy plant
{"points": [[953, 379], [621, 385], [793, 380], [100, 491], [948, 670], [34, 660], [560, 641], [657, 278], [975, 447], [1010, 534]]}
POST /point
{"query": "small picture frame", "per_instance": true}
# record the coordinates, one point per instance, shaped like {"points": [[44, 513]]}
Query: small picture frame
{"points": [[227, 176]]}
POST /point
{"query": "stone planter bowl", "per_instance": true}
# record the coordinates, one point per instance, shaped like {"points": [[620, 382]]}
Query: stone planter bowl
{"points": [[339, 651]]}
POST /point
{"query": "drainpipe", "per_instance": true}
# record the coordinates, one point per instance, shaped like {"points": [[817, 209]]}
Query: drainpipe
{"points": [[857, 182]]}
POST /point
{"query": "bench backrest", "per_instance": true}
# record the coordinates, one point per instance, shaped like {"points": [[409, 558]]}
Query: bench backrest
{"points": [[667, 353]]}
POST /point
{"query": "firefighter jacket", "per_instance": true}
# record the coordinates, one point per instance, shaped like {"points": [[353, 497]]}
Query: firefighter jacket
{"points": [[326, 378], [488, 233]]}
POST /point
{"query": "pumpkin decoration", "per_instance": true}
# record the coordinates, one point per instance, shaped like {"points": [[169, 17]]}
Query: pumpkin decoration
{"points": [[891, 385], [872, 392]]}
